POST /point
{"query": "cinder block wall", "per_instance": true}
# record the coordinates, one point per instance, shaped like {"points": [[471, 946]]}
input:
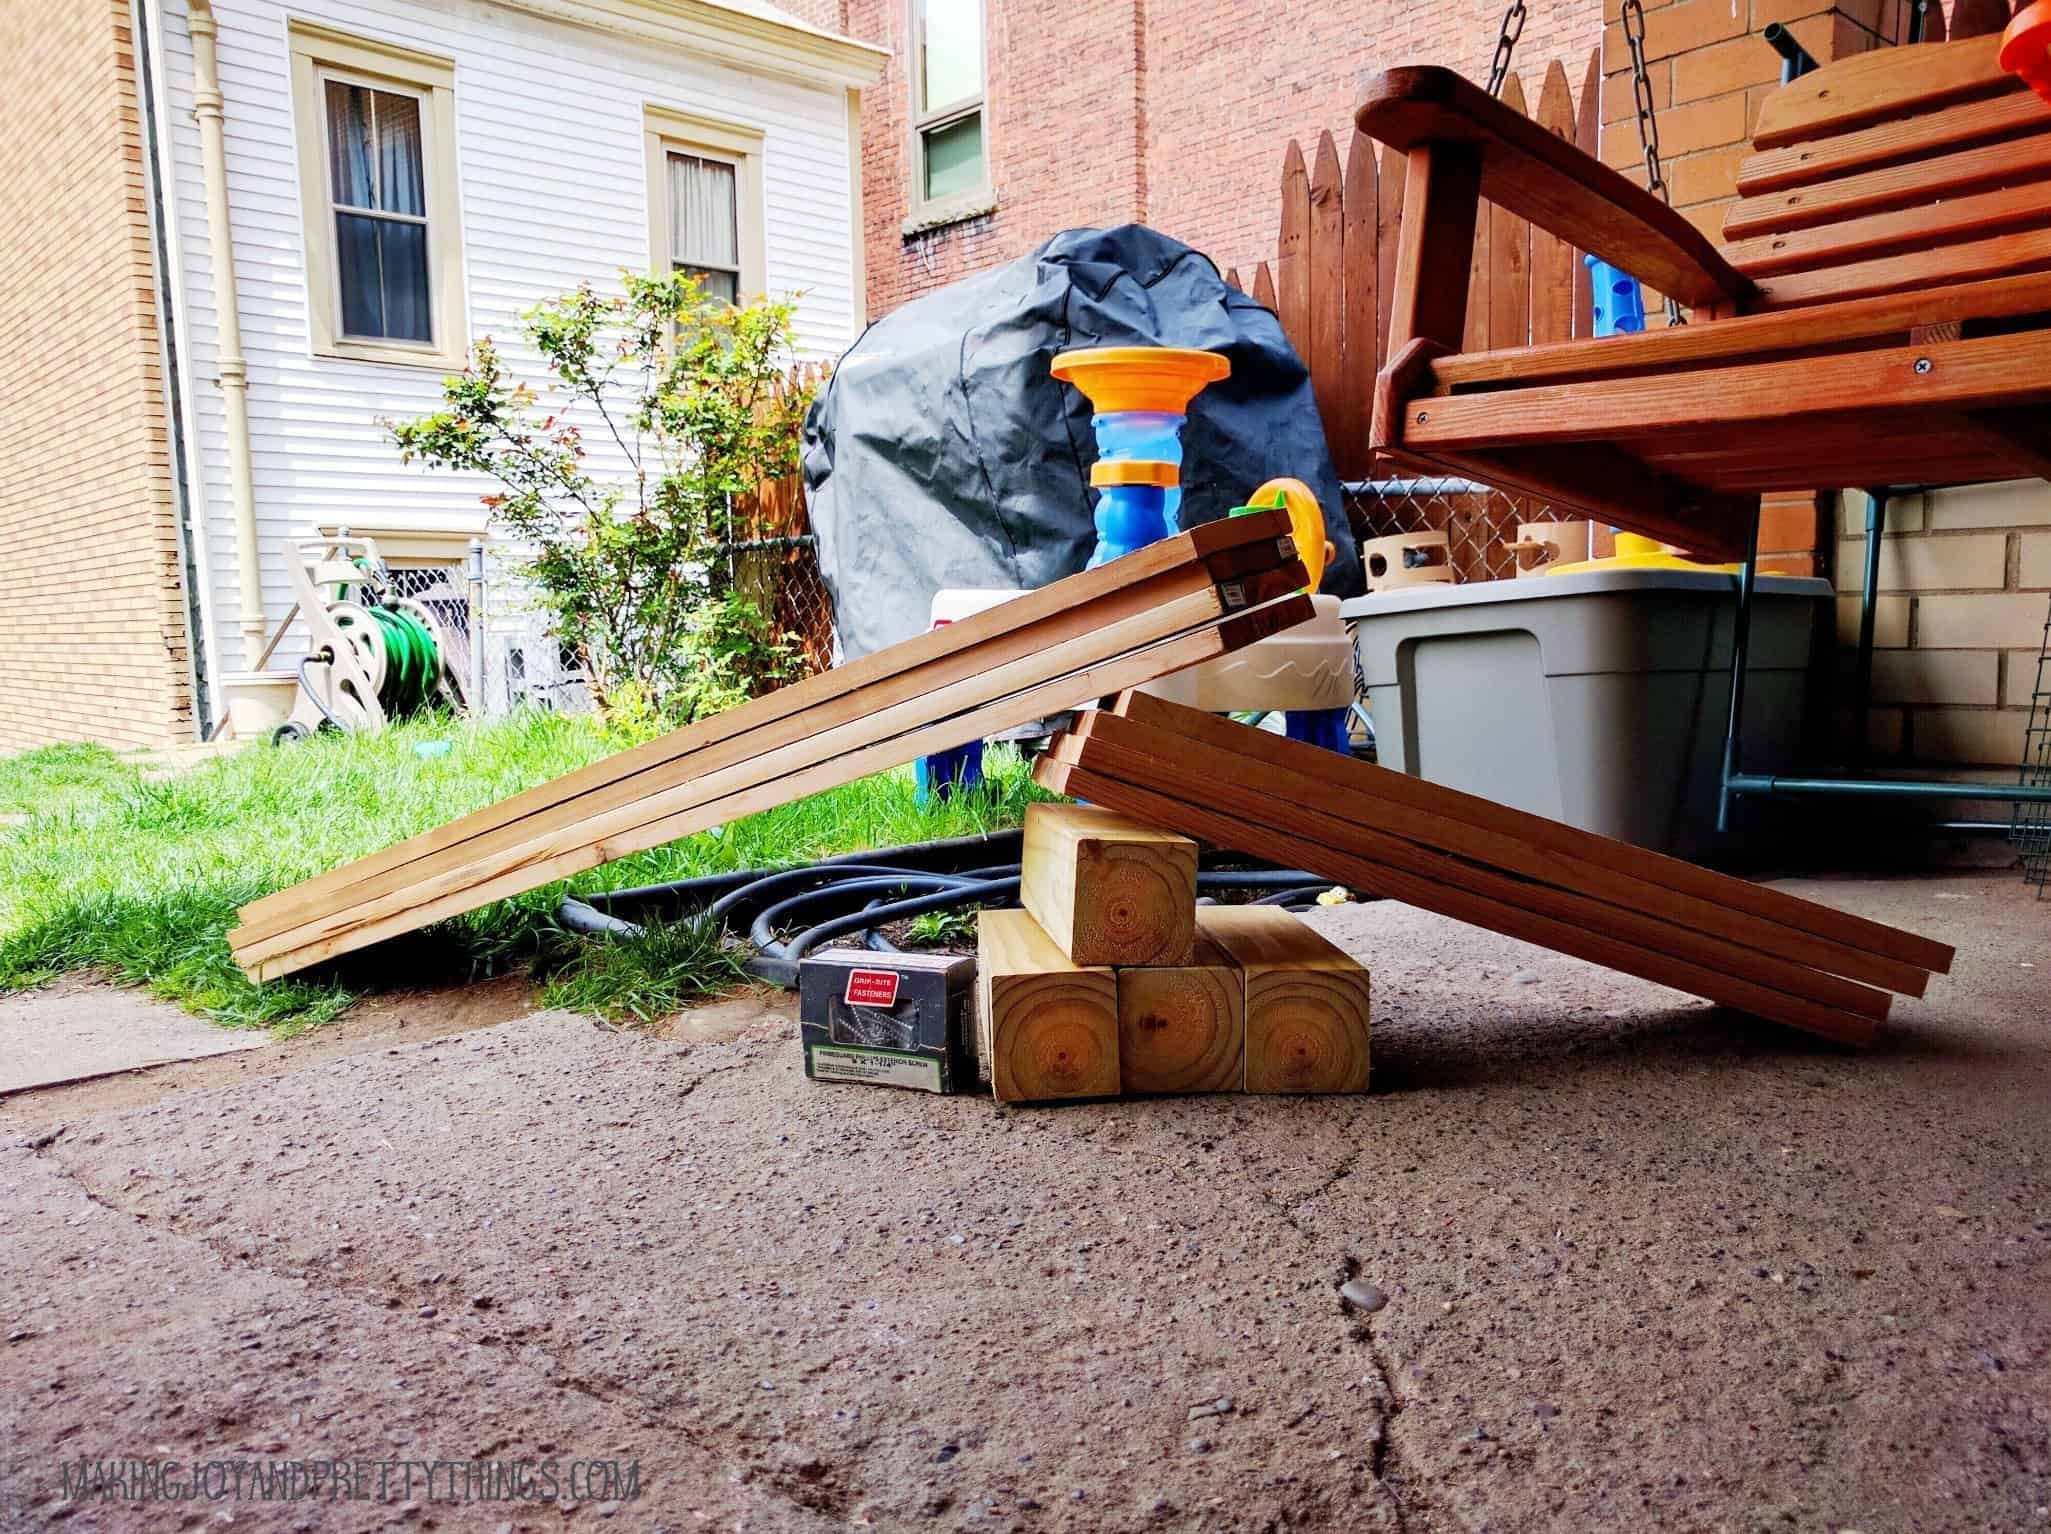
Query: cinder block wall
{"points": [[1965, 586], [1708, 73], [93, 633], [1964, 578]]}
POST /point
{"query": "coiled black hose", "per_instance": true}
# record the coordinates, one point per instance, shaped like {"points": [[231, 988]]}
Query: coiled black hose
{"points": [[855, 887]]}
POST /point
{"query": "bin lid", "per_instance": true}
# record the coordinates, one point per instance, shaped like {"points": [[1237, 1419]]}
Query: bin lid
{"points": [[1407, 599]]}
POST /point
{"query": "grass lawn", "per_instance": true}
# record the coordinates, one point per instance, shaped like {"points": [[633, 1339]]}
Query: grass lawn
{"points": [[142, 878]]}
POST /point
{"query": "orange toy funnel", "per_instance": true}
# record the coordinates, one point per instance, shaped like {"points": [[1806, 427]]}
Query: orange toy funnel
{"points": [[2026, 47], [1156, 378]]}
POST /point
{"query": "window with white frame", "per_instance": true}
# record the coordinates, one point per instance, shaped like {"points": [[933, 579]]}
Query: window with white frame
{"points": [[376, 127], [705, 201], [950, 161]]}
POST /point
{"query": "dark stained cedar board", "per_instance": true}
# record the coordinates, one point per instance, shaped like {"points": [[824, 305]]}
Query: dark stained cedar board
{"points": [[1208, 777], [1230, 829], [1653, 867], [1249, 802]]}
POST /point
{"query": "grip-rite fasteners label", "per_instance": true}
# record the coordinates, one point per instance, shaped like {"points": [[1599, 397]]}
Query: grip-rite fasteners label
{"points": [[871, 988]]}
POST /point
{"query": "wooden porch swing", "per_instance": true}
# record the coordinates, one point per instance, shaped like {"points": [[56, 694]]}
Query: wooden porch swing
{"points": [[1879, 311]]}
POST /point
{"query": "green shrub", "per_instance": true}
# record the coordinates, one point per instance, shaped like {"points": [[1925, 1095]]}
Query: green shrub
{"points": [[693, 406]]}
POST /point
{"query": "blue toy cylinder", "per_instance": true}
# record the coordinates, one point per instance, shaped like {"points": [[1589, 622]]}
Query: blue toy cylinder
{"points": [[1155, 435], [1619, 300], [1128, 517]]}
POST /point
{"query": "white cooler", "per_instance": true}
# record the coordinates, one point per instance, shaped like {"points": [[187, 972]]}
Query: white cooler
{"points": [[1597, 698]]}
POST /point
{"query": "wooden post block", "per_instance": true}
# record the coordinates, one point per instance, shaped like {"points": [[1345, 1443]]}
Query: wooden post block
{"points": [[1109, 890], [1047, 1027], [1182, 1027], [1306, 1002]]}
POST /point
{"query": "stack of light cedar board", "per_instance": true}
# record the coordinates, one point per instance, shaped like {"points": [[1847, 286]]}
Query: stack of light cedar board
{"points": [[1748, 947], [1121, 624], [1113, 980]]}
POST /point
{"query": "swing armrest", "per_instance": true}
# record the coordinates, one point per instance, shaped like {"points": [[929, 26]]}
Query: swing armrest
{"points": [[1533, 172]]}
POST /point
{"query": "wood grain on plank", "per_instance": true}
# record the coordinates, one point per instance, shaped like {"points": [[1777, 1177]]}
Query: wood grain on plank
{"points": [[1418, 794], [861, 719], [1587, 138], [1326, 265], [541, 866], [1292, 252], [1746, 337], [1917, 183], [1998, 256], [1435, 240], [1552, 259], [1236, 575], [1531, 172], [1297, 850], [1395, 179], [1908, 138], [1182, 1028], [1215, 778], [1509, 257], [1047, 1027], [1856, 92], [1363, 803], [1987, 371], [1016, 624], [1106, 889], [1360, 278], [1911, 229], [1307, 1002]]}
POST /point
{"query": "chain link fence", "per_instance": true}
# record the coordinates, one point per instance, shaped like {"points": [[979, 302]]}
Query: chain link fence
{"points": [[782, 575], [1479, 521]]}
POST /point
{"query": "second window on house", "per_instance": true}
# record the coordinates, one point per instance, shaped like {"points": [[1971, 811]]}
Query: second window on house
{"points": [[951, 169], [705, 201], [705, 222]]}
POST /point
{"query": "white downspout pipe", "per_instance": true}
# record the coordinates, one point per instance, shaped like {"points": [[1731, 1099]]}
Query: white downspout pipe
{"points": [[233, 376]]}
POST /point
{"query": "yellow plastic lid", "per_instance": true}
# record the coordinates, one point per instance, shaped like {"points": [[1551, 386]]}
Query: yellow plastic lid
{"points": [[1158, 378], [1306, 523], [1637, 552], [1134, 471]]}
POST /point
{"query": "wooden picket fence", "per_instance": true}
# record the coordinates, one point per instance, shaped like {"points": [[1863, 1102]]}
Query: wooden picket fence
{"points": [[1334, 271]]}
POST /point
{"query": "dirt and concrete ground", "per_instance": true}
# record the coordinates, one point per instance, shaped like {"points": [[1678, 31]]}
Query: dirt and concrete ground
{"points": [[1645, 1266]]}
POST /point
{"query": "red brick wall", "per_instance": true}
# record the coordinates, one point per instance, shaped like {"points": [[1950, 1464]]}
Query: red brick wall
{"points": [[1172, 112]]}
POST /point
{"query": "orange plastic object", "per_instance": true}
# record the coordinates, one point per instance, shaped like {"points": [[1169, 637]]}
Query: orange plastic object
{"points": [[1159, 378], [1306, 523], [2026, 47], [1134, 471]]}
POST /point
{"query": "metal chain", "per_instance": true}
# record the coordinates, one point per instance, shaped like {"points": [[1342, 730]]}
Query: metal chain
{"points": [[1648, 122], [1506, 45]]}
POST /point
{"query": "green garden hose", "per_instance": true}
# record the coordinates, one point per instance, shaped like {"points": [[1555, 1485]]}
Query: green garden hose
{"points": [[412, 663]]}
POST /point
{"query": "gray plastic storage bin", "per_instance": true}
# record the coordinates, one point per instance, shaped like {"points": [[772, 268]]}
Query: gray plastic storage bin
{"points": [[1597, 698]]}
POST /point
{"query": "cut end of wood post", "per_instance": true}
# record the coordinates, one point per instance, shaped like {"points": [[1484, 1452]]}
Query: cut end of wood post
{"points": [[1109, 890], [1048, 1027], [1182, 1028], [1307, 1026]]}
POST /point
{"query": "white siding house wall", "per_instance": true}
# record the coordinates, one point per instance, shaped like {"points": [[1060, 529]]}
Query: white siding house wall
{"points": [[551, 158]]}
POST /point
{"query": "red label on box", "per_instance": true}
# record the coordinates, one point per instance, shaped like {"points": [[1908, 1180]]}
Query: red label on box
{"points": [[871, 988]]}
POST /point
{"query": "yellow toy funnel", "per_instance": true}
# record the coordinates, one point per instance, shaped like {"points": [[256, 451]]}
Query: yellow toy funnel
{"points": [[1156, 378]]}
